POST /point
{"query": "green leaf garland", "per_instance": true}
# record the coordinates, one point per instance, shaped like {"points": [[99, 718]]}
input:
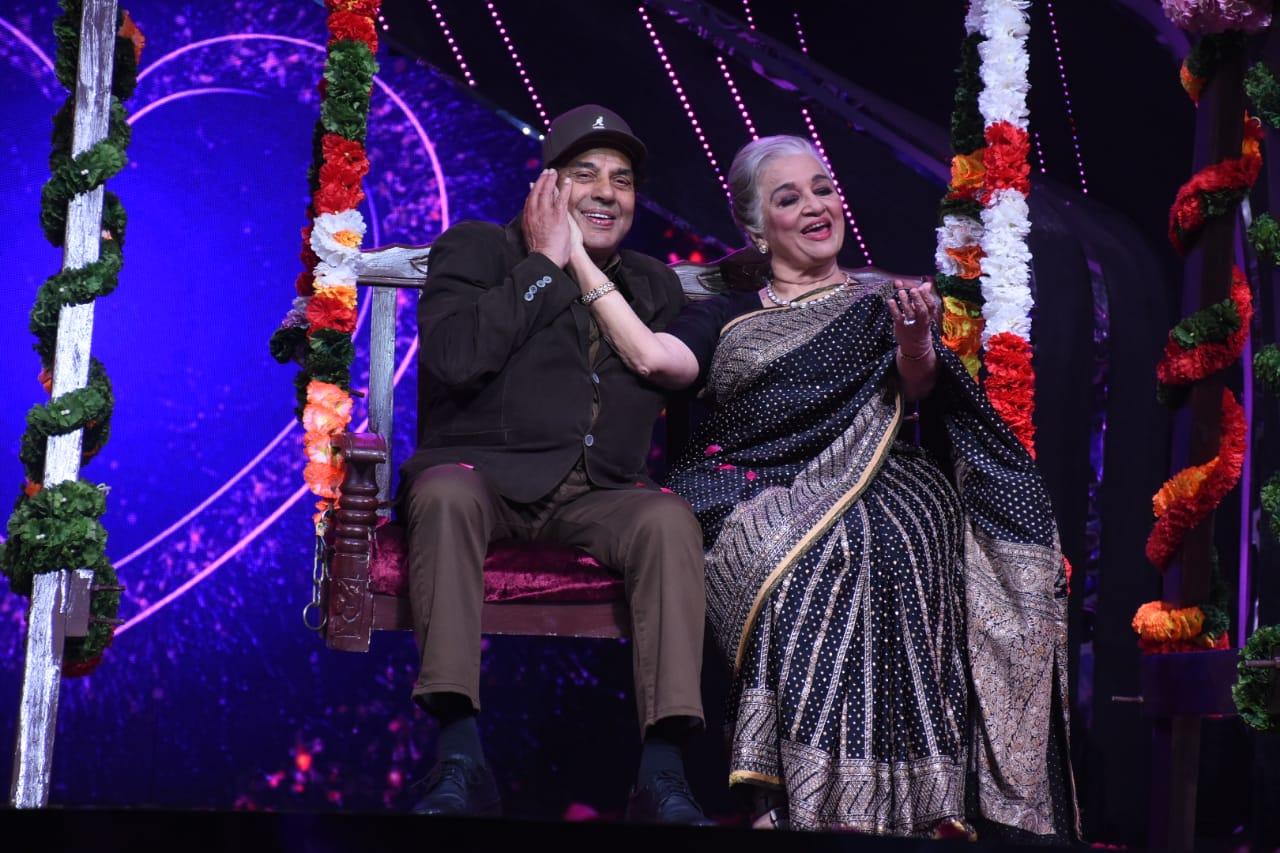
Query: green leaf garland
{"points": [[1263, 89], [1264, 237], [58, 527], [1254, 688]]}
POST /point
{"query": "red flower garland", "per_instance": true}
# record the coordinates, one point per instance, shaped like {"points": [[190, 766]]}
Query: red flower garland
{"points": [[1185, 513], [1198, 644], [1010, 385], [368, 8], [335, 198], [354, 26], [1187, 215], [1182, 366], [345, 162], [1006, 159], [330, 313]]}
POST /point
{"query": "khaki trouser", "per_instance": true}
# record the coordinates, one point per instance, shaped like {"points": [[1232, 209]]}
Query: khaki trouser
{"points": [[651, 538]]}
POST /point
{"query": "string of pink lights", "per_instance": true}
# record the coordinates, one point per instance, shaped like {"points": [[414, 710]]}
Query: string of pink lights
{"points": [[515, 57], [737, 98], [453, 44], [684, 100], [1066, 96], [822, 151]]}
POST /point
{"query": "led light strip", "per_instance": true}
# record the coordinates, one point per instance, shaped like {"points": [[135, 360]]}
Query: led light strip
{"points": [[1066, 96], [515, 57], [817, 143], [737, 98], [453, 44], [684, 100]]}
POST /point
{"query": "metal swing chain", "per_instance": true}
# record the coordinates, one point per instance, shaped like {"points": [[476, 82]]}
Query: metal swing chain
{"points": [[319, 574]]}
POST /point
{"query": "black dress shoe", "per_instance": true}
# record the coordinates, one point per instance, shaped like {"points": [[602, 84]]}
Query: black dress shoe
{"points": [[457, 785], [666, 798]]}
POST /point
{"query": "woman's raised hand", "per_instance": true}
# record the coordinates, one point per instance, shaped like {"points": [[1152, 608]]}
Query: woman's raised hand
{"points": [[912, 307]]}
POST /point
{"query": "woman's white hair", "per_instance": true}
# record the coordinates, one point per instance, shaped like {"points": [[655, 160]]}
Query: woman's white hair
{"points": [[746, 203]]}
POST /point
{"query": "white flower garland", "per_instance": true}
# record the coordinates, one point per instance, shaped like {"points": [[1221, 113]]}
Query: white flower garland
{"points": [[1006, 267]]}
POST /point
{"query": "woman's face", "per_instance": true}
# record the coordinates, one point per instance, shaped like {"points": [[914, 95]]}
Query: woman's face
{"points": [[802, 218]]}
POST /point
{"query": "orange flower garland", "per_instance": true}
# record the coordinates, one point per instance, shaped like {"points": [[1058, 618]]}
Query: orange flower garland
{"points": [[1192, 84], [968, 259], [1188, 499], [1163, 628], [968, 172]]}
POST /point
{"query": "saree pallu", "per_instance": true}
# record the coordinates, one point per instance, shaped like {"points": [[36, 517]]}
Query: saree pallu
{"points": [[894, 639]]}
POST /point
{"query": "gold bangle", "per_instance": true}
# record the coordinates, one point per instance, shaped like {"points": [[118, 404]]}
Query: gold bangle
{"points": [[919, 357]]}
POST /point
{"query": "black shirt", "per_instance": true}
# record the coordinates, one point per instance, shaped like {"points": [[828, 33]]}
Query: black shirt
{"points": [[699, 324]]}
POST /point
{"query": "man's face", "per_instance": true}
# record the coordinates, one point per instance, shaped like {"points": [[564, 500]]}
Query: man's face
{"points": [[602, 199]]}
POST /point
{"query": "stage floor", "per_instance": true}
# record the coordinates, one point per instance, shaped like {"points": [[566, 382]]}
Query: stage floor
{"points": [[138, 830]]}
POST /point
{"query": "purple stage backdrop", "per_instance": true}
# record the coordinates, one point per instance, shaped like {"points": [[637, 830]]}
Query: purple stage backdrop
{"points": [[214, 694]]}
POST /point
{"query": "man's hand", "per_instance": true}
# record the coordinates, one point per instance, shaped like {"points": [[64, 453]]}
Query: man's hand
{"points": [[546, 219]]}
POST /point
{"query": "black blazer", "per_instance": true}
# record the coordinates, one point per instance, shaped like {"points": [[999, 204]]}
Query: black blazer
{"points": [[504, 382]]}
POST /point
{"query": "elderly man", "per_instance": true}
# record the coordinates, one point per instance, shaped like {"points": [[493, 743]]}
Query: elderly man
{"points": [[531, 428]]}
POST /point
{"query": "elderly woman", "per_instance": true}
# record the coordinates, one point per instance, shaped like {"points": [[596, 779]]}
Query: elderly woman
{"points": [[896, 630]]}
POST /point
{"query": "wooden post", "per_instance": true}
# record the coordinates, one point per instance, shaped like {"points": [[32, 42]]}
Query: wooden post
{"points": [[1176, 739], [382, 365], [55, 595]]}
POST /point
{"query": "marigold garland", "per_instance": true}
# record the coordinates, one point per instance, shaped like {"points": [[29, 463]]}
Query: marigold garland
{"points": [[1163, 628], [1208, 341], [1183, 365], [959, 251], [968, 174], [317, 330], [1215, 189], [1204, 59], [1158, 622], [1181, 486], [982, 258], [1184, 507]]}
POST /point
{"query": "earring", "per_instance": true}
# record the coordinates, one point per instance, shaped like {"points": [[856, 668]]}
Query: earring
{"points": [[763, 247]]}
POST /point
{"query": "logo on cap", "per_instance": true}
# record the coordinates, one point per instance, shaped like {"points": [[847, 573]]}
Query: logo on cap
{"points": [[599, 123]]}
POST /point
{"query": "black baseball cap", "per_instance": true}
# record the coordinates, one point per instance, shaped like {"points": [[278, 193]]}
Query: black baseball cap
{"points": [[590, 126]]}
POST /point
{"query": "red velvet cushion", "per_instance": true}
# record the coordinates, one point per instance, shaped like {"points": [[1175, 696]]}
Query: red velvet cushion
{"points": [[513, 571]]}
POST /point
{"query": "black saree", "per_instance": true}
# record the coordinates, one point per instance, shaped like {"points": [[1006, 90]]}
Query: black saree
{"points": [[893, 637]]}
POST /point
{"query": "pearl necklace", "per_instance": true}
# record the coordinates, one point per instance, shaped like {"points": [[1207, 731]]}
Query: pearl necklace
{"points": [[804, 303]]}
